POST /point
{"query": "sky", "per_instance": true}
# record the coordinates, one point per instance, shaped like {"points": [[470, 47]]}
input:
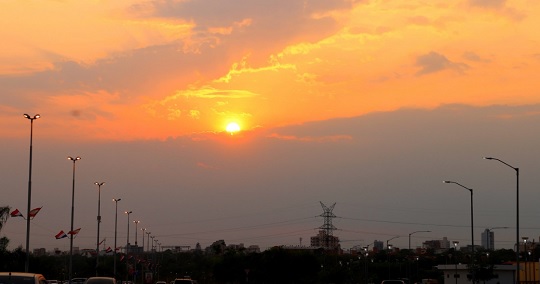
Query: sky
{"points": [[368, 105]]}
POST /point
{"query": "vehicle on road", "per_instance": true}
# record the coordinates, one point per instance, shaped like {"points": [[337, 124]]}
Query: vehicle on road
{"points": [[184, 280], [100, 280], [393, 282], [22, 278]]}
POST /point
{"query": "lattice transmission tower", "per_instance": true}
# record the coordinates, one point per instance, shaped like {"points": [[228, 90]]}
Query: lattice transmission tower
{"points": [[328, 228]]}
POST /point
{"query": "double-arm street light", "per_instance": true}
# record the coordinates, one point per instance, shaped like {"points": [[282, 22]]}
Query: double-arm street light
{"points": [[99, 184], [143, 231], [27, 262], [115, 231], [472, 225], [148, 241], [72, 217], [136, 230], [517, 212]]}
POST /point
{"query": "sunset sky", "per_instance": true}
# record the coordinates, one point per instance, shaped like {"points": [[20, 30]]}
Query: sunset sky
{"points": [[366, 104]]}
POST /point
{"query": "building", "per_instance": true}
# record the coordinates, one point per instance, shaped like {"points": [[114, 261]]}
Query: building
{"points": [[459, 273], [325, 241], [378, 245], [488, 239]]}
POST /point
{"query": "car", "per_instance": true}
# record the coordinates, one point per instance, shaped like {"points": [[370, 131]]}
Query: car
{"points": [[184, 280], [78, 280], [22, 278], [53, 282], [161, 282], [393, 282], [100, 280]]}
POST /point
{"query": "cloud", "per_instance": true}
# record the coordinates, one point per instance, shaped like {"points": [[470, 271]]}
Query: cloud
{"points": [[435, 62], [321, 139], [488, 3]]}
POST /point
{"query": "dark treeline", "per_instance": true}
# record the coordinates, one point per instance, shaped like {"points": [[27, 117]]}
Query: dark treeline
{"points": [[276, 265]]}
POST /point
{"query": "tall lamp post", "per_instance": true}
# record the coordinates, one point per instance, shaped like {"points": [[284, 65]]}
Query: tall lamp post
{"points": [[127, 245], [27, 262], [409, 262], [136, 229], [488, 237], [389, 248], [143, 231], [115, 231], [455, 261], [413, 234], [525, 239], [148, 241], [99, 184], [72, 216], [517, 212], [472, 226]]}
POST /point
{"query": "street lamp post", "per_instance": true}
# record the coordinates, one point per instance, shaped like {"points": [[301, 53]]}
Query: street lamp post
{"points": [[136, 229], [409, 262], [488, 237], [127, 245], [525, 239], [143, 231], [148, 241], [455, 260], [99, 184], [472, 226], [517, 212], [27, 262], [389, 248], [115, 233], [72, 216], [413, 234]]}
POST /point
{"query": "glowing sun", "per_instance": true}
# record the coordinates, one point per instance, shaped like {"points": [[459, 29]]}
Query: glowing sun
{"points": [[232, 127]]}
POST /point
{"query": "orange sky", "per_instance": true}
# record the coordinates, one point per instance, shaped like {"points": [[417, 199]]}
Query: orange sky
{"points": [[151, 70]]}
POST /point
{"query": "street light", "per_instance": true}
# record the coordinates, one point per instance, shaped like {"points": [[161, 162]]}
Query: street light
{"points": [[72, 216], [472, 225], [415, 233], [408, 260], [99, 184], [148, 241], [143, 231], [525, 239], [389, 246], [517, 212], [488, 237], [455, 261], [127, 246], [27, 263], [136, 229], [115, 230]]}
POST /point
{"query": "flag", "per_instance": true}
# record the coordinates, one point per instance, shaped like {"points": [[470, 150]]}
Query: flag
{"points": [[34, 212], [74, 232], [16, 213], [61, 235], [109, 249]]}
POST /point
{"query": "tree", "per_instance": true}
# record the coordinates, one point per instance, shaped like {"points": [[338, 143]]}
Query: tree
{"points": [[4, 213]]}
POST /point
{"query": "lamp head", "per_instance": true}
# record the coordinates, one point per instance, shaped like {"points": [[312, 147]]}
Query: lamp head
{"points": [[488, 158], [74, 159], [116, 199]]}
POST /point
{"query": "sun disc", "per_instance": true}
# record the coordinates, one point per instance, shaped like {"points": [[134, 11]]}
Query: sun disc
{"points": [[232, 127]]}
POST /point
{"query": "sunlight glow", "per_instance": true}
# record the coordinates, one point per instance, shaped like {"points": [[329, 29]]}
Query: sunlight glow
{"points": [[232, 127]]}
